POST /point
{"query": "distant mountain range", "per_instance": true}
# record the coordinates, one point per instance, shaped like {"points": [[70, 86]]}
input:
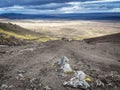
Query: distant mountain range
{"points": [[72, 16]]}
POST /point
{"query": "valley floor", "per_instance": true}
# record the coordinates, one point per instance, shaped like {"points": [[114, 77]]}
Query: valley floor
{"points": [[74, 29]]}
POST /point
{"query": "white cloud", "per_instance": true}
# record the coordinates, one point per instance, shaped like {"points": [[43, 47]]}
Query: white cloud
{"points": [[13, 8], [50, 5], [71, 9], [16, 7], [109, 0], [74, 3], [101, 1], [115, 10], [24, 10]]}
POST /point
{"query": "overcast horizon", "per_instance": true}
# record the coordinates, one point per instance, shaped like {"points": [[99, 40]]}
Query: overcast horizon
{"points": [[59, 6]]}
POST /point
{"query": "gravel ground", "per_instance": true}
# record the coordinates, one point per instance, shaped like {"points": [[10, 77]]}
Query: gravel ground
{"points": [[33, 66]]}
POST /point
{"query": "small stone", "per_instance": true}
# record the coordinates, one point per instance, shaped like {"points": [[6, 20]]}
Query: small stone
{"points": [[27, 89], [99, 83], [11, 86], [20, 71], [47, 88], [75, 68], [40, 85], [21, 75], [4, 87], [110, 84]]}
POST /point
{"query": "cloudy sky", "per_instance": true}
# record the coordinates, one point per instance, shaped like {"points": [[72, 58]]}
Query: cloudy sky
{"points": [[58, 6]]}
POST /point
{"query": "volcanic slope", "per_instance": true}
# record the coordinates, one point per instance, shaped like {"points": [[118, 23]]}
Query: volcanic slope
{"points": [[34, 65]]}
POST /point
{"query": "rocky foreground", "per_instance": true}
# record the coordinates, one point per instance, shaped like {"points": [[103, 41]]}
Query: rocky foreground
{"points": [[34, 66]]}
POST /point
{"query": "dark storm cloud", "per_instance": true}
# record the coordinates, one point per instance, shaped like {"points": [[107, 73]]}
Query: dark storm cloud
{"points": [[4, 3], [58, 6]]}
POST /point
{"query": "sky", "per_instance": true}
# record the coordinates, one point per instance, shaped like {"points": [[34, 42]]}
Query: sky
{"points": [[58, 6]]}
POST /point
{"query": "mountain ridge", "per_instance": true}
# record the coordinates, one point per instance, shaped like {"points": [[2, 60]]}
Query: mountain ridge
{"points": [[77, 16]]}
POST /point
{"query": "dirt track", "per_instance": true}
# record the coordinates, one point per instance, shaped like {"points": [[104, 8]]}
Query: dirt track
{"points": [[37, 61]]}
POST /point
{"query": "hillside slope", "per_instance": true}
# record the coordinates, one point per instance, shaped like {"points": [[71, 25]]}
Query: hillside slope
{"points": [[33, 66], [9, 31], [9, 27], [11, 34], [107, 38]]}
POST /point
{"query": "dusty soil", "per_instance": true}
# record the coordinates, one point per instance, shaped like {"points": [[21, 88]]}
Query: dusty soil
{"points": [[33, 66]]}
